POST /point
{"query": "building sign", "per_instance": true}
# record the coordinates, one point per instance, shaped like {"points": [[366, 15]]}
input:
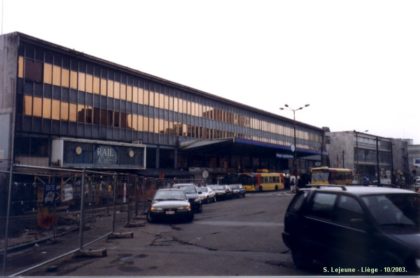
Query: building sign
{"points": [[95, 154], [51, 194], [67, 193], [286, 156]]}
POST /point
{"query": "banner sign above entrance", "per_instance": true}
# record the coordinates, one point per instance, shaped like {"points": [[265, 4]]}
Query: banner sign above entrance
{"points": [[286, 156], [94, 154]]}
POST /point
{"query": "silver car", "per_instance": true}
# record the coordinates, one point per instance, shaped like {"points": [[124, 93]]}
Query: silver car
{"points": [[207, 194], [170, 204]]}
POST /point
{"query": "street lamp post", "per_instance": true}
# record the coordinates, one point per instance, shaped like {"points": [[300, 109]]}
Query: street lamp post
{"points": [[286, 107]]}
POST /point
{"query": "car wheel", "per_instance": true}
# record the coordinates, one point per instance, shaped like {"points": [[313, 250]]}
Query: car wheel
{"points": [[301, 260], [150, 218]]}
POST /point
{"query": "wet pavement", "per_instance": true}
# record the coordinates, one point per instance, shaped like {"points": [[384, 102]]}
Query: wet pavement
{"points": [[235, 237]]}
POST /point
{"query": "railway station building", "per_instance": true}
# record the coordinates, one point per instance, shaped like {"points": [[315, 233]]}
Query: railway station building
{"points": [[64, 108]]}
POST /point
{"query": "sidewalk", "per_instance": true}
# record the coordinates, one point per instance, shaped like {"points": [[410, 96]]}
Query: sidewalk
{"points": [[80, 265]]}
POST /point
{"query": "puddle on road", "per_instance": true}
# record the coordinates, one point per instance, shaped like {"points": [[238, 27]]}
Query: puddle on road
{"points": [[240, 223], [280, 263], [125, 268], [176, 228]]}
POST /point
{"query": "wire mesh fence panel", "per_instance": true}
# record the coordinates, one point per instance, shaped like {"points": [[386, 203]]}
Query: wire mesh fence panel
{"points": [[43, 220], [132, 188], [98, 190], [125, 186], [48, 205], [4, 193]]}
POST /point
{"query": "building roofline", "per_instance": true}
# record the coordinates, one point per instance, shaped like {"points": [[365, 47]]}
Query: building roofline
{"points": [[363, 133], [67, 51]]}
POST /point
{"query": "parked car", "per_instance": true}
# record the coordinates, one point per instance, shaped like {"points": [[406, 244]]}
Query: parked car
{"points": [[237, 190], [354, 226], [223, 192], [201, 196], [417, 185], [170, 204], [207, 194], [191, 191]]}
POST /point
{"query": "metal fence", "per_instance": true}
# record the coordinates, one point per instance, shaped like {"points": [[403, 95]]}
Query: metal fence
{"points": [[48, 213]]}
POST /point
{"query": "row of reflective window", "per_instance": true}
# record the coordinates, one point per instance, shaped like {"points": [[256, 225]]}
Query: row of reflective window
{"points": [[145, 94], [53, 109], [371, 142], [364, 155]]}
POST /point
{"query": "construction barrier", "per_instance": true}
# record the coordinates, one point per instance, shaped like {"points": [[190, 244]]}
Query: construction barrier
{"points": [[46, 213]]}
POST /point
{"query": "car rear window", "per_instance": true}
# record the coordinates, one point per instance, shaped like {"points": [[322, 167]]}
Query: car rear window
{"points": [[297, 201]]}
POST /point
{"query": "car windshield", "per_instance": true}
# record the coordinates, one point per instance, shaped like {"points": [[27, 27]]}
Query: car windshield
{"points": [[395, 210], [169, 195], [188, 189]]}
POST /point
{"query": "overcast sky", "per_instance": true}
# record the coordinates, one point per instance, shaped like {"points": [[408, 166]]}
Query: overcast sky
{"points": [[357, 63]]}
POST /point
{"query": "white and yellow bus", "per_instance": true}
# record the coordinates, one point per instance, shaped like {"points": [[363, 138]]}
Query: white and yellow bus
{"points": [[327, 176], [258, 182]]}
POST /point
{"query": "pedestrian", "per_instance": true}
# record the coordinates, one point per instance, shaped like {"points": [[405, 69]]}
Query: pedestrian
{"points": [[287, 182], [293, 184], [365, 181]]}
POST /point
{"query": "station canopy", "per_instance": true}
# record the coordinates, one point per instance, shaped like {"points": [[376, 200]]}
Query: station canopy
{"points": [[242, 146]]}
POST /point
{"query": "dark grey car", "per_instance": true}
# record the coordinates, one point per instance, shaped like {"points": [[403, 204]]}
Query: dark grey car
{"points": [[358, 227], [191, 191]]}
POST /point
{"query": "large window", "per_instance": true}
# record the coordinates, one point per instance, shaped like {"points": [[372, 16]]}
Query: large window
{"points": [[349, 213], [84, 78], [323, 205], [33, 70]]}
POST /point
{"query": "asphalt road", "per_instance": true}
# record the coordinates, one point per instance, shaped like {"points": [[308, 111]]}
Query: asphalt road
{"points": [[234, 237]]}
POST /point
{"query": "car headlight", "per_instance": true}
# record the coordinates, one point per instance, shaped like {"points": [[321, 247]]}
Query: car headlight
{"points": [[185, 208], [418, 263], [155, 209]]}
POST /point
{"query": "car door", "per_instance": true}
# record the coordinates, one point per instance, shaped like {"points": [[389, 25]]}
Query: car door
{"points": [[317, 228], [351, 236]]}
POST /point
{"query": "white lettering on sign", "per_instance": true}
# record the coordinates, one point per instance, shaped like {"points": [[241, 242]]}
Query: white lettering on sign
{"points": [[106, 155]]}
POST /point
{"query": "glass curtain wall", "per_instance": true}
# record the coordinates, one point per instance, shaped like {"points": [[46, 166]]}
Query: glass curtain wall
{"points": [[74, 91]]}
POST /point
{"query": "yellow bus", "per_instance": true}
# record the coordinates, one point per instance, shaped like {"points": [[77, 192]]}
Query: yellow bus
{"points": [[267, 181], [326, 176]]}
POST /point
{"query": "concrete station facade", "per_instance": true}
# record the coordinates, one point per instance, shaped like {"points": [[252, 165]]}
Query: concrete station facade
{"points": [[63, 108]]}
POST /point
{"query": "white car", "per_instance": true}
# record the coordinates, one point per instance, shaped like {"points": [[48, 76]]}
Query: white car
{"points": [[223, 192], [170, 203], [417, 185], [207, 194]]}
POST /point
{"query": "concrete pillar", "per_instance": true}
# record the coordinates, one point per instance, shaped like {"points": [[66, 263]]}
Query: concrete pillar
{"points": [[157, 157]]}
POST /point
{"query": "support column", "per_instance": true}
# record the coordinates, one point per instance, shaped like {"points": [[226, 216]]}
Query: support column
{"points": [[176, 159], [157, 157]]}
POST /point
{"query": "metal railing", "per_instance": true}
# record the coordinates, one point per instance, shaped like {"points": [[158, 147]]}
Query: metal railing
{"points": [[47, 213]]}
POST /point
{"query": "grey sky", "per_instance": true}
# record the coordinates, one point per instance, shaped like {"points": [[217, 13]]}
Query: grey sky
{"points": [[356, 62]]}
